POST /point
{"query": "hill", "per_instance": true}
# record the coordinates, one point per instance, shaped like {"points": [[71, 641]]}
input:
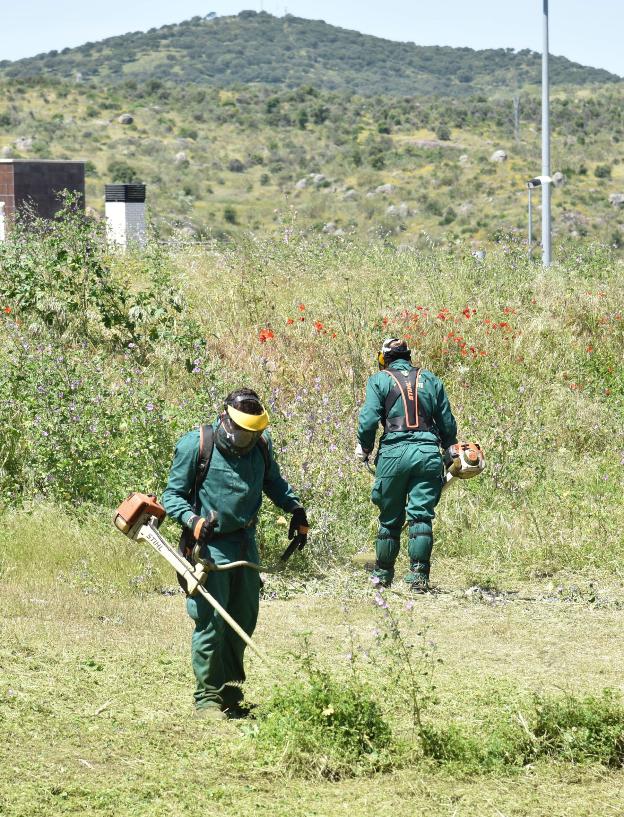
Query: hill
{"points": [[291, 51], [219, 162]]}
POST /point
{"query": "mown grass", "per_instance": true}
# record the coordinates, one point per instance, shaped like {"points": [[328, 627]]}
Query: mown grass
{"points": [[96, 713]]}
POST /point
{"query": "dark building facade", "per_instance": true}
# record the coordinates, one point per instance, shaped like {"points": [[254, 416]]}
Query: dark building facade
{"points": [[37, 183]]}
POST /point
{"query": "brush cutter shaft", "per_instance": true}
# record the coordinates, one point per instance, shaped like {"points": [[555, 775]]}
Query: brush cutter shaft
{"points": [[148, 533]]}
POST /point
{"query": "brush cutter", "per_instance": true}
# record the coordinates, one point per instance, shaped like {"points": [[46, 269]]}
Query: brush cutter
{"points": [[139, 517]]}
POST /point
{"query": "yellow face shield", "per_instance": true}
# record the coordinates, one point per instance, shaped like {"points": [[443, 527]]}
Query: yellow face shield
{"points": [[250, 422]]}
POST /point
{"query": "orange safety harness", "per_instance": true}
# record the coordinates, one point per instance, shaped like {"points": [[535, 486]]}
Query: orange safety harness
{"points": [[406, 387]]}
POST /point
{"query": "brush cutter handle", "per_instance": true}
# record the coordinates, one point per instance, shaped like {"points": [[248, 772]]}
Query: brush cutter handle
{"points": [[211, 565], [233, 624], [149, 533], [232, 565]]}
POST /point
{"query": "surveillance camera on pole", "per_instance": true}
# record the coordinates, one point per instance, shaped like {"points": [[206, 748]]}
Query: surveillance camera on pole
{"points": [[533, 184]]}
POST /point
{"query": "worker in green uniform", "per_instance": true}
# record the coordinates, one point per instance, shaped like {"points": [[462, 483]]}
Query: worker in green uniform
{"points": [[223, 521], [411, 405]]}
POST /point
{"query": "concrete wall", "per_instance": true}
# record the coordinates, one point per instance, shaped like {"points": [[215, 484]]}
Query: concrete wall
{"points": [[38, 184], [125, 222], [7, 193]]}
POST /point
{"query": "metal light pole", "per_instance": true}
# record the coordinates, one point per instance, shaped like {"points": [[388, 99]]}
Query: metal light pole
{"points": [[546, 188], [530, 189]]}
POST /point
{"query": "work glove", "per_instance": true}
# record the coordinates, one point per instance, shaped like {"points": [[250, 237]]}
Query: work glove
{"points": [[297, 533], [207, 529], [202, 529], [361, 453]]}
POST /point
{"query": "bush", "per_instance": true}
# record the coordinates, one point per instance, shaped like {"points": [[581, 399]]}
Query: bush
{"points": [[581, 730], [122, 172], [229, 214], [324, 728], [602, 171], [567, 728], [82, 413], [236, 166]]}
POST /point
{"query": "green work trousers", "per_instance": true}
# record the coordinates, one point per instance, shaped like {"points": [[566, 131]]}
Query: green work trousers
{"points": [[408, 483], [216, 650]]}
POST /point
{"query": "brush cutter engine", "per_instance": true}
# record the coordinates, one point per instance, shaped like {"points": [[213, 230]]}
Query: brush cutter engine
{"points": [[464, 461]]}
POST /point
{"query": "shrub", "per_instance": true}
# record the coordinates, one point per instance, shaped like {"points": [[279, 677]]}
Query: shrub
{"points": [[602, 171], [122, 172], [580, 730], [324, 727], [236, 166], [229, 214]]}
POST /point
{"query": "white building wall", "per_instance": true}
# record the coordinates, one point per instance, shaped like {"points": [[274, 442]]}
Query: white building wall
{"points": [[125, 222]]}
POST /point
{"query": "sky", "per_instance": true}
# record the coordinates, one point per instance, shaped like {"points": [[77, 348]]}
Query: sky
{"points": [[586, 31]]}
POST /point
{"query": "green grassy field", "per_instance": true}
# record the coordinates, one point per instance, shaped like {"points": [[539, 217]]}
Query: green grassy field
{"points": [[507, 662], [95, 690]]}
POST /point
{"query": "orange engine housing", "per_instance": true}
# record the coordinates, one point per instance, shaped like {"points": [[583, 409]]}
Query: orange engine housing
{"points": [[136, 508], [468, 460]]}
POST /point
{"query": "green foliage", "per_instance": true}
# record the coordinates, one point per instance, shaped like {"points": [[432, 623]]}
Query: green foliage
{"points": [[602, 171], [121, 172], [291, 51], [341, 135], [229, 214], [83, 414], [581, 730], [568, 728], [323, 727], [56, 274]]}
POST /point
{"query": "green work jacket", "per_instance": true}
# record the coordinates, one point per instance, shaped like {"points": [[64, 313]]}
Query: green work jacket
{"points": [[233, 486], [431, 397]]}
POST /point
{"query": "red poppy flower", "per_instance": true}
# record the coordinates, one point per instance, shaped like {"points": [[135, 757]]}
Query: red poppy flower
{"points": [[301, 307], [290, 321], [318, 326], [7, 310], [265, 334]]}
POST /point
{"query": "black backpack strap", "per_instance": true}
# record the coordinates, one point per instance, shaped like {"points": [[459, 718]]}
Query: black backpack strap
{"points": [[206, 445], [392, 397], [187, 542], [266, 454]]}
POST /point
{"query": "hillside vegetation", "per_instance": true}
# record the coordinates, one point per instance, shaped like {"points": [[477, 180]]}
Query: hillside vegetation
{"points": [[219, 163], [290, 51]]}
